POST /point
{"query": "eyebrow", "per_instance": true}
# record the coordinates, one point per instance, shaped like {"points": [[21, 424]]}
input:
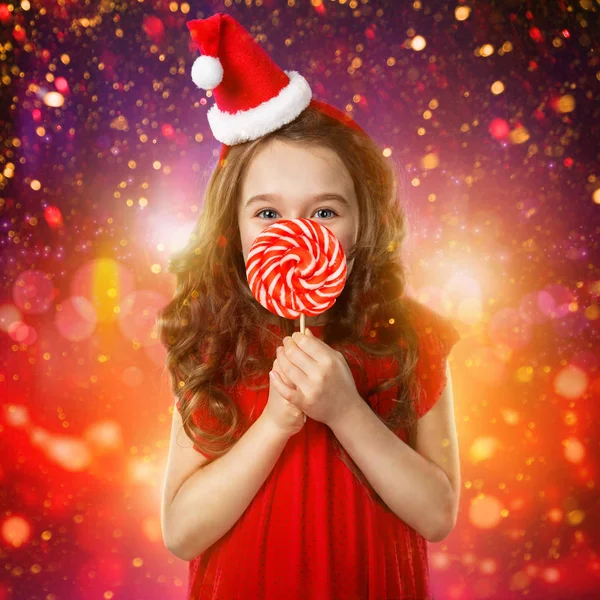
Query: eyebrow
{"points": [[326, 196]]}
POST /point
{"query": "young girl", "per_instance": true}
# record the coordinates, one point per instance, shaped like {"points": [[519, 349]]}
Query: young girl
{"points": [[316, 465]]}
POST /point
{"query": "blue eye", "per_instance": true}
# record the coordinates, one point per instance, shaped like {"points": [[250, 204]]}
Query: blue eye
{"points": [[274, 211], [327, 209], [264, 210]]}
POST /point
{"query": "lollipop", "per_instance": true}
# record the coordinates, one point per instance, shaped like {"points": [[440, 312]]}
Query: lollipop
{"points": [[296, 267]]}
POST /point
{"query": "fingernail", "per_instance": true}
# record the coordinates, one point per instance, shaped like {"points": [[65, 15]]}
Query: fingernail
{"points": [[308, 331], [271, 375]]}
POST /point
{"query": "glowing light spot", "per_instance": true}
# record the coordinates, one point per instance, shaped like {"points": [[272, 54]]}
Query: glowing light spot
{"points": [[462, 13], [440, 561], [16, 531], [104, 282], [483, 448], [574, 450], [154, 28], [104, 437], [555, 515], [571, 382], [167, 130], [16, 415], [520, 581], [485, 512], [551, 575], [499, 128], [510, 416], [575, 517], [418, 43], [151, 528], [488, 566], [76, 318], [9, 317], [430, 161], [536, 35], [525, 374], [71, 453], [137, 319], [566, 104], [54, 99], [33, 291], [518, 135], [120, 123], [486, 50], [61, 85], [497, 87]]}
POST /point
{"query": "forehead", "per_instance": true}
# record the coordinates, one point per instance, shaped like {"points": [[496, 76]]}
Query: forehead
{"points": [[287, 168]]}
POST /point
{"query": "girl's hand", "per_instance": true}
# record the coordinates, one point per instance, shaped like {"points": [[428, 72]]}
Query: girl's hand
{"points": [[325, 387], [287, 417]]}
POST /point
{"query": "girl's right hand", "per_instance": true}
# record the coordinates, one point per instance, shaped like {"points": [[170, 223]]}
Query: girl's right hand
{"points": [[289, 418]]}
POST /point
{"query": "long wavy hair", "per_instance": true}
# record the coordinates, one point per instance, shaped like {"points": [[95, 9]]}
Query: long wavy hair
{"points": [[208, 326]]}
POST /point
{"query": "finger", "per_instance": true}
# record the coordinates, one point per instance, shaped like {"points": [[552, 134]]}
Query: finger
{"points": [[284, 391], [314, 348], [283, 376], [299, 357], [310, 344], [293, 372]]}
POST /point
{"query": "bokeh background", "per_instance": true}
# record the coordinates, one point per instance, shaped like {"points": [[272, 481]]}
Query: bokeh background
{"points": [[488, 110]]}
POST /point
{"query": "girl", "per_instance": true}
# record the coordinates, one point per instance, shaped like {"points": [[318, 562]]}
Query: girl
{"points": [[313, 466]]}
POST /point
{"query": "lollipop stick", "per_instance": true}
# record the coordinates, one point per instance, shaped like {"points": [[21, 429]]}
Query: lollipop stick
{"points": [[302, 331]]}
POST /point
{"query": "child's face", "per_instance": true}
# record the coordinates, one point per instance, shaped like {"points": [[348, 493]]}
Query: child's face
{"points": [[294, 176]]}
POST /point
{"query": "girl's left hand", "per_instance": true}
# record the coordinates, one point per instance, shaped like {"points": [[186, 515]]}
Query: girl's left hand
{"points": [[325, 387]]}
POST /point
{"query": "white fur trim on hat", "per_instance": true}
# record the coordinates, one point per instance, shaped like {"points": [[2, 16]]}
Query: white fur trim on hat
{"points": [[245, 125], [207, 72]]}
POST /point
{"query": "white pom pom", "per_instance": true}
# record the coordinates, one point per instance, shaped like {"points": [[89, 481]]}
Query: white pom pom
{"points": [[207, 72]]}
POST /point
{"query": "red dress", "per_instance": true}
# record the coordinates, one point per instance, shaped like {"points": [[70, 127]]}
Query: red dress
{"points": [[312, 532]]}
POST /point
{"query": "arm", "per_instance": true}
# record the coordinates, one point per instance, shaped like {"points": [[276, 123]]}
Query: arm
{"points": [[212, 499], [415, 488]]}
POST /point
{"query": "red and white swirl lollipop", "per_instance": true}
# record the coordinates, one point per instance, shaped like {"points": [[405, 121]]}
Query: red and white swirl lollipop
{"points": [[296, 267]]}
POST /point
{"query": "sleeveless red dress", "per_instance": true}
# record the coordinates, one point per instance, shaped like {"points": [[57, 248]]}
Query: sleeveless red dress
{"points": [[312, 532]]}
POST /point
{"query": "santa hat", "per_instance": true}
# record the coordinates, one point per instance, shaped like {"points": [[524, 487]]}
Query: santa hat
{"points": [[253, 96]]}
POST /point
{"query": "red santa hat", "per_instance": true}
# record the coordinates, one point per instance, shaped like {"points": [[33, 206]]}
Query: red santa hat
{"points": [[253, 96]]}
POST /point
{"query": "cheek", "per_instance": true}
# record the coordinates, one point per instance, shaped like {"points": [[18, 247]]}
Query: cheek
{"points": [[346, 240], [349, 268], [244, 241]]}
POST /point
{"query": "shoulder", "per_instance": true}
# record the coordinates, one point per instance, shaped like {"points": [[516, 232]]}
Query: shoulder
{"points": [[436, 333], [436, 337]]}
